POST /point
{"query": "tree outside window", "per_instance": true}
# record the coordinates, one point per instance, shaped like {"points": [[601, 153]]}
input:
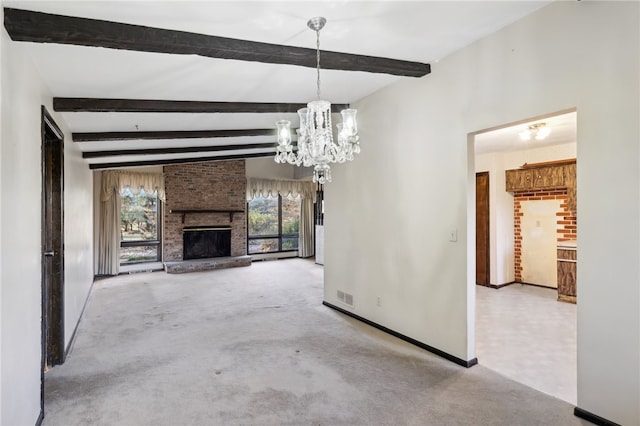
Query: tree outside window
{"points": [[139, 239], [273, 224]]}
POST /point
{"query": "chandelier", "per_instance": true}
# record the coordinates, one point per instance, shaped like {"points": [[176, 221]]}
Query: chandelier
{"points": [[539, 131], [316, 145]]}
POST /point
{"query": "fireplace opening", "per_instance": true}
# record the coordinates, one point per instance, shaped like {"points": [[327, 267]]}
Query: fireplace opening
{"points": [[202, 242]]}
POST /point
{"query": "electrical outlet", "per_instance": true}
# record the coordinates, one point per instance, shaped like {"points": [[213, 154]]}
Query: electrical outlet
{"points": [[378, 300], [453, 235]]}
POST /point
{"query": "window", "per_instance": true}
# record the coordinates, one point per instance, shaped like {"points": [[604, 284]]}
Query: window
{"points": [[139, 227], [273, 224]]}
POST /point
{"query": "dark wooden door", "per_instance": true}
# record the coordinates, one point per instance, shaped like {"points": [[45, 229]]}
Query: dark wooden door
{"points": [[52, 243], [482, 228]]}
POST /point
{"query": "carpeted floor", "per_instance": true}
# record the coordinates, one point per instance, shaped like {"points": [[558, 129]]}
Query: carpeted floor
{"points": [[255, 346]]}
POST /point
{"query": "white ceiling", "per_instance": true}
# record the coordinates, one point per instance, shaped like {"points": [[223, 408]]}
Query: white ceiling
{"points": [[421, 31], [563, 130]]}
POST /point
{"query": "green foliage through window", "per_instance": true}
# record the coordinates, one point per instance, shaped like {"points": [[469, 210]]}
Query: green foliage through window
{"points": [[138, 216], [263, 216], [273, 224], [138, 226]]}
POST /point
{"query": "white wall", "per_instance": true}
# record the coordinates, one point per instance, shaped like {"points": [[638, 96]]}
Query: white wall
{"points": [[539, 230], [3, 59], [414, 178], [515, 159], [267, 168], [23, 93], [78, 234], [302, 172], [501, 202]]}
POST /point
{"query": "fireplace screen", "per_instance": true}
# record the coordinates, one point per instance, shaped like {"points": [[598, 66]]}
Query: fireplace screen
{"points": [[201, 242]]}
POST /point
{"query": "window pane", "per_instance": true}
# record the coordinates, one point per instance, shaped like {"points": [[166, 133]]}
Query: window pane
{"points": [[289, 244], [138, 216], [263, 216], [263, 245], [138, 254], [290, 216]]}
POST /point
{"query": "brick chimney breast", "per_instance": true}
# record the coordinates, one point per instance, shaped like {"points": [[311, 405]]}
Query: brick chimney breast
{"points": [[212, 185]]}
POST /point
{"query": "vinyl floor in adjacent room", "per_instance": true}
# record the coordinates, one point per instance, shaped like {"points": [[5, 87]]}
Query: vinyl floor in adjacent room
{"points": [[524, 333], [255, 346]]}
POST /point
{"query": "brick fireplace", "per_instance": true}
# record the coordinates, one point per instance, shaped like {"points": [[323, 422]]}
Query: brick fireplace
{"points": [[196, 188]]}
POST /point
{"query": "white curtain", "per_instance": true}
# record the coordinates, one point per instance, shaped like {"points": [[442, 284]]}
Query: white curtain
{"points": [[306, 242], [257, 187], [109, 235], [118, 180], [109, 227]]}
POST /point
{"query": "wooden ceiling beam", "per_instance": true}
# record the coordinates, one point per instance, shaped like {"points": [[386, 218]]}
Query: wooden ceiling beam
{"points": [[176, 150], [181, 134], [38, 27], [151, 105], [98, 166]]}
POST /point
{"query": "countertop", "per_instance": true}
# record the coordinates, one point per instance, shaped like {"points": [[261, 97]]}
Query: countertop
{"points": [[569, 244]]}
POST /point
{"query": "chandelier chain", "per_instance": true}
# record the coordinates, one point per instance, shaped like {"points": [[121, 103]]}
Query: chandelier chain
{"points": [[318, 62]]}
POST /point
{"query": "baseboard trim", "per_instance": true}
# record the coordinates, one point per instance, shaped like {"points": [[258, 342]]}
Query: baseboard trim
{"points": [[595, 419], [407, 339], [75, 329], [40, 418], [535, 285], [496, 286], [274, 256]]}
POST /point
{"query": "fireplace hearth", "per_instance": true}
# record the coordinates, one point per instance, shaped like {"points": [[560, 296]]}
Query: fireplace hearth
{"points": [[203, 242]]}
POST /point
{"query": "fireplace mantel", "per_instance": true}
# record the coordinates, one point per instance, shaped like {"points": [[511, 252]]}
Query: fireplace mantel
{"points": [[184, 212]]}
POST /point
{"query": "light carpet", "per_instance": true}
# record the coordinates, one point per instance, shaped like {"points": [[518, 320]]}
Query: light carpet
{"points": [[255, 346]]}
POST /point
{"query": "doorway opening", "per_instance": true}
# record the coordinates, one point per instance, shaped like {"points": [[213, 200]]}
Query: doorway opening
{"points": [[52, 244], [524, 330]]}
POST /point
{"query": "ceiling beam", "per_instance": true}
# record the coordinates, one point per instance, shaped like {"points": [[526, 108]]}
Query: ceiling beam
{"points": [[176, 150], [25, 25], [150, 105], [187, 134], [98, 166]]}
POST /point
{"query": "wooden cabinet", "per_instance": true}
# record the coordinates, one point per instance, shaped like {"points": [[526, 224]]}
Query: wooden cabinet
{"points": [[570, 183], [567, 283], [569, 171], [548, 177], [545, 176], [518, 180]]}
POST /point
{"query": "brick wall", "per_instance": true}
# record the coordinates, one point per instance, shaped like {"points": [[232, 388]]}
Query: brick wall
{"points": [[567, 221], [206, 185]]}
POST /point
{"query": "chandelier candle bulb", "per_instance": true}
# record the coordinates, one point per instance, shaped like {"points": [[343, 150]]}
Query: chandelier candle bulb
{"points": [[349, 121], [302, 113], [284, 132]]}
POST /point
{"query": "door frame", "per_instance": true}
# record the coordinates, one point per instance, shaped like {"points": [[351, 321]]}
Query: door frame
{"points": [[52, 325]]}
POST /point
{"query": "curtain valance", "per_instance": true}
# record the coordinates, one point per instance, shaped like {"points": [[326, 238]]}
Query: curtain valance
{"points": [[257, 187], [118, 180]]}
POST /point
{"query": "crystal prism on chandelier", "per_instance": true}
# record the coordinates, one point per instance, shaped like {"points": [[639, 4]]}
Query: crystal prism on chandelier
{"points": [[317, 146]]}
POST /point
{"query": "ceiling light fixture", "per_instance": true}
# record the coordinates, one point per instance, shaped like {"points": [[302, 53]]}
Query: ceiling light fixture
{"points": [[316, 146], [539, 131]]}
